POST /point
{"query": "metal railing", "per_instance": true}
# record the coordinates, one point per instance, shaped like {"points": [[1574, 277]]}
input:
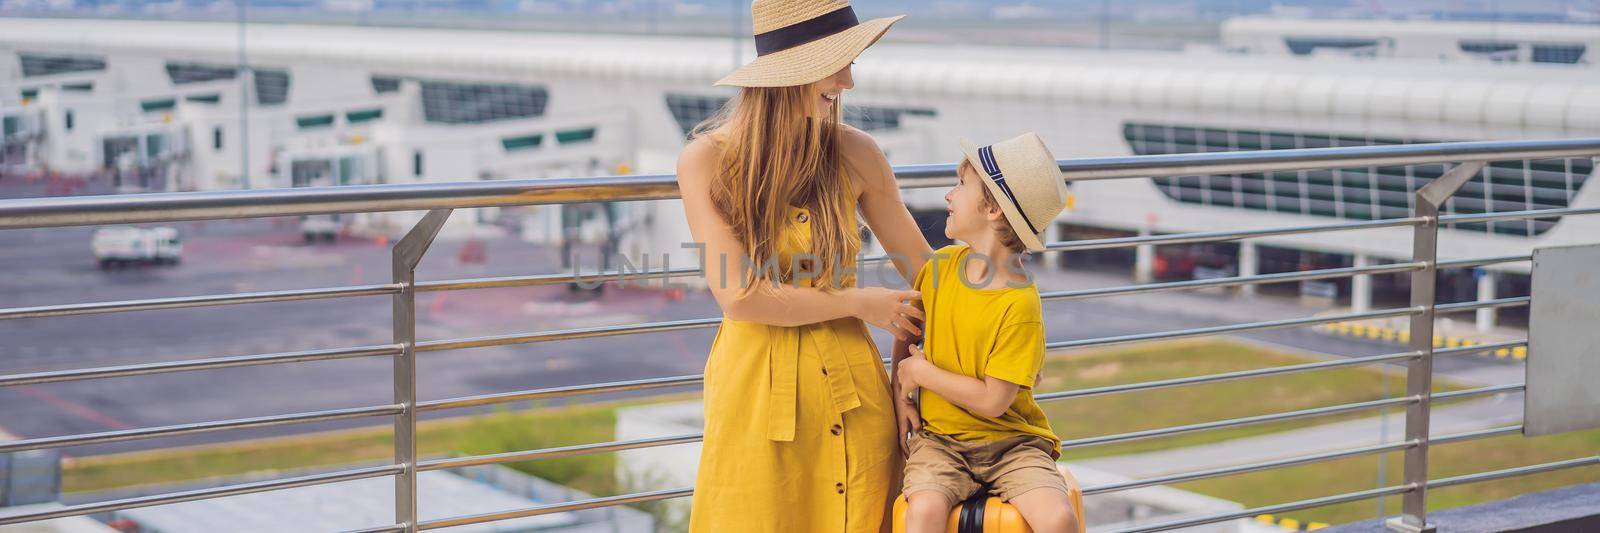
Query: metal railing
{"points": [[440, 199]]}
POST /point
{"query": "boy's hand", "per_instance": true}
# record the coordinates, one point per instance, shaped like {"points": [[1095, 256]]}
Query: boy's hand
{"points": [[907, 418], [905, 372]]}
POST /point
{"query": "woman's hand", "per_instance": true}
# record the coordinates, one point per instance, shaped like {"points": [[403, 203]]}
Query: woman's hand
{"points": [[891, 310]]}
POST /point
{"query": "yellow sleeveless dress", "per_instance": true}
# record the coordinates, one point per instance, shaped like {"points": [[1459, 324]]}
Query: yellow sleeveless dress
{"points": [[799, 428]]}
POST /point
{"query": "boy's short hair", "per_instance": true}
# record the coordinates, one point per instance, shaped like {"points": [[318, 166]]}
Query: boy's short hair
{"points": [[1002, 229]]}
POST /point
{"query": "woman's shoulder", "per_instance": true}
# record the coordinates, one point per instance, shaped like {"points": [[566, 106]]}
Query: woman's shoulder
{"points": [[856, 143], [700, 154]]}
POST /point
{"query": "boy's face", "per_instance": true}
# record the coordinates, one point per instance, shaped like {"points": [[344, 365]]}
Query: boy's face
{"points": [[968, 216]]}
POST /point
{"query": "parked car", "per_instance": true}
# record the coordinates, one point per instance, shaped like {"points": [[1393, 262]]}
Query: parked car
{"points": [[119, 246], [323, 227]]}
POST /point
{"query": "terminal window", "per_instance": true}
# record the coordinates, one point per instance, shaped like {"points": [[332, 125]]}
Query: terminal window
{"points": [[182, 73], [690, 110], [47, 64], [272, 86], [1364, 193], [468, 103], [1558, 53]]}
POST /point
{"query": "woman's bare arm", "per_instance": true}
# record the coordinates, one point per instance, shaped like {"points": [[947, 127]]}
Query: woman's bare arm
{"points": [[881, 205], [780, 304]]}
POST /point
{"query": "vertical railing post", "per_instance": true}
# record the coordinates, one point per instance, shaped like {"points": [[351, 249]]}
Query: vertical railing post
{"points": [[404, 258], [1419, 372]]}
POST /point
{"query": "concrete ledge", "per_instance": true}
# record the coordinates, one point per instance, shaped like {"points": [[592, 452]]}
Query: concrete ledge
{"points": [[1574, 509]]}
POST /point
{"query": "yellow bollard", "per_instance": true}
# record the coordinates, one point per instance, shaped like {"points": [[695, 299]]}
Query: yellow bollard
{"points": [[1502, 353], [1265, 519], [1289, 524], [1520, 352]]}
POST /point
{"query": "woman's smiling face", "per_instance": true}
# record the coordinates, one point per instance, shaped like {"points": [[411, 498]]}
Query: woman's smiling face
{"points": [[827, 91]]}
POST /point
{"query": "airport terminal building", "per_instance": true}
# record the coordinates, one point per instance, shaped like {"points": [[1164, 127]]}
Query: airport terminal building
{"points": [[165, 106]]}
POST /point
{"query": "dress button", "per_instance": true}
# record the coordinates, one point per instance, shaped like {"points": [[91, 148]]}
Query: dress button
{"points": [[801, 217], [839, 487], [824, 371], [837, 429]]}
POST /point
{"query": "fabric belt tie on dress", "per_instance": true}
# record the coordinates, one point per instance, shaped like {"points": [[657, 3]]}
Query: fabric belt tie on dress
{"points": [[783, 398]]}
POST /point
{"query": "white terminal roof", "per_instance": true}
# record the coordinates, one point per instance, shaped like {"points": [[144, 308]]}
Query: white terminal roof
{"points": [[1516, 95], [1539, 32]]}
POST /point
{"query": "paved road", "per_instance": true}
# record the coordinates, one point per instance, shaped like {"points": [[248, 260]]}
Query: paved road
{"points": [[53, 266]]}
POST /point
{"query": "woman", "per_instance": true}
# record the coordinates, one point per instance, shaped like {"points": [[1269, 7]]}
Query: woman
{"points": [[800, 428]]}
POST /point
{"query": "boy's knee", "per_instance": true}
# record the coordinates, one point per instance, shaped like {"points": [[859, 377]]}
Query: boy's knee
{"points": [[1046, 512], [928, 504], [1061, 519]]}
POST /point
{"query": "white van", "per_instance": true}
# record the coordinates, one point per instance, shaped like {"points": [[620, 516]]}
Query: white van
{"points": [[117, 246]]}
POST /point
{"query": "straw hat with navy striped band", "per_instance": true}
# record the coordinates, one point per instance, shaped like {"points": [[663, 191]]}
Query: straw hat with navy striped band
{"points": [[1025, 180], [802, 41]]}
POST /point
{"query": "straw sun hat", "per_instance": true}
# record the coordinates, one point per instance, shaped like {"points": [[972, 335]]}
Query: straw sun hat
{"points": [[1025, 180], [802, 41]]}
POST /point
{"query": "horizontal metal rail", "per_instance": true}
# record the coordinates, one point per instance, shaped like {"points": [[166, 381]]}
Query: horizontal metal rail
{"points": [[144, 369], [567, 334], [383, 528], [1236, 422], [552, 279], [1514, 472], [563, 451], [1260, 279], [1474, 435], [199, 427], [1488, 346], [558, 278], [1482, 391], [1516, 301], [1271, 509], [182, 302], [559, 392], [1232, 328], [1483, 261], [1220, 236], [593, 503], [1227, 376], [203, 494], [1242, 469], [216, 205], [1293, 461], [1517, 215]]}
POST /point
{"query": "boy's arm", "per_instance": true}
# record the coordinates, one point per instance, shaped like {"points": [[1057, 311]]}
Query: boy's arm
{"points": [[988, 397], [907, 415]]}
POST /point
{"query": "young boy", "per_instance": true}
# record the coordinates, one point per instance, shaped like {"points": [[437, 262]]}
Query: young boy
{"points": [[978, 425]]}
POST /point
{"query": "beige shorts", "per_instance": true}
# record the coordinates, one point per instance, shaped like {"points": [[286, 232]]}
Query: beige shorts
{"points": [[1009, 467]]}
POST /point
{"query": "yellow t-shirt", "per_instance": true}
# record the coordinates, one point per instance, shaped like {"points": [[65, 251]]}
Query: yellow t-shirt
{"points": [[981, 332]]}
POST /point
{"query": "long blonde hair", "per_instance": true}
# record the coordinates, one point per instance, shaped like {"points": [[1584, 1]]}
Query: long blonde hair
{"points": [[774, 155]]}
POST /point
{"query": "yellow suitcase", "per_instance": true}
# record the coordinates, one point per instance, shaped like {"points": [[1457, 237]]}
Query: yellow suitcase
{"points": [[985, 513]]}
